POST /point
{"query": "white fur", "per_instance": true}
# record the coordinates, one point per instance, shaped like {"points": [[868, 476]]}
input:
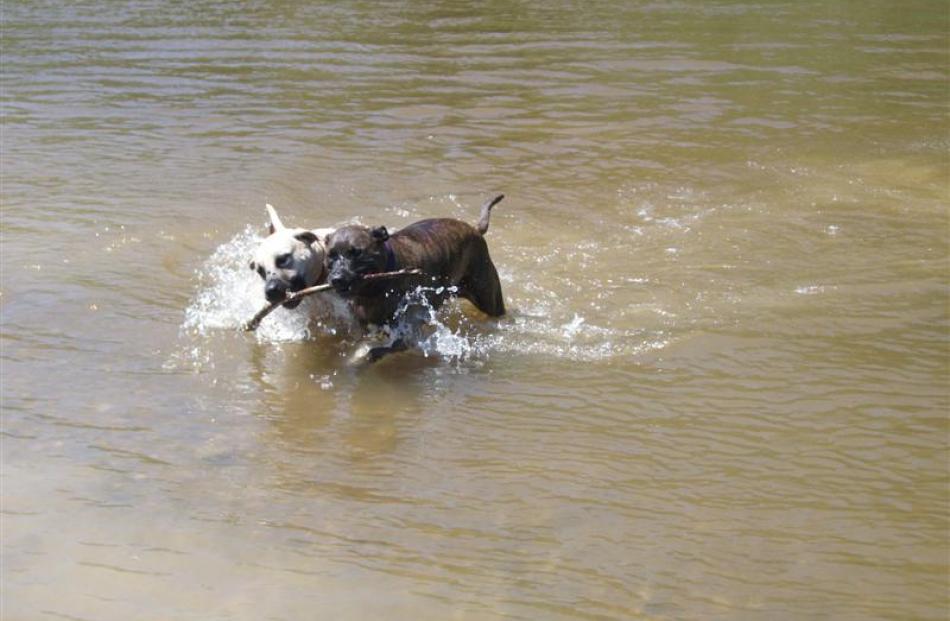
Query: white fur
{"points": [[306, 249]]}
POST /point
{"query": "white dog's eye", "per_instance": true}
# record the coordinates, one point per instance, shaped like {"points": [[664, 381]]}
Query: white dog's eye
{"points": [[283, 261]]}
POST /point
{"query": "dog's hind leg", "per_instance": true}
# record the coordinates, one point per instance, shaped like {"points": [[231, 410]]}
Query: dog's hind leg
{"points": [[482, 287], [486, 296]]}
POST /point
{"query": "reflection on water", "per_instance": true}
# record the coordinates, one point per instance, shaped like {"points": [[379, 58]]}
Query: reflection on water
{"points": [[721, 390]]}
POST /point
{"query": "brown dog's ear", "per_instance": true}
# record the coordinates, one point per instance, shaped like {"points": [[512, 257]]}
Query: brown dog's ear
{"points": [[307, 237], [380, 233]]}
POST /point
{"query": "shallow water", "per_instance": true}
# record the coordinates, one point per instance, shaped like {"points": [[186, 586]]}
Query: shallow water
{"points": [[721, 391]]}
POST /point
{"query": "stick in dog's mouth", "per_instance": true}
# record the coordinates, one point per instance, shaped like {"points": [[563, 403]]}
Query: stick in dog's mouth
{"points": [[294, 298]]}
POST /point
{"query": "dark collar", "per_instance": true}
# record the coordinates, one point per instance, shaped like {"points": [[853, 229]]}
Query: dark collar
{"points": [[390, 258]]}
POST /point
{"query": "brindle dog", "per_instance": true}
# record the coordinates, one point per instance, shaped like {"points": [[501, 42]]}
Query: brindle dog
{"points": [[452, 255]]}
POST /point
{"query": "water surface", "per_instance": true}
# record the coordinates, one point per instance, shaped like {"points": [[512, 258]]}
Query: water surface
{"points": [[721, 391]]}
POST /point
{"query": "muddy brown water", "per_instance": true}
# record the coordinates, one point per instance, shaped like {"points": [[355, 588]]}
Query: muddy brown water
{"points": [[721, 391]]}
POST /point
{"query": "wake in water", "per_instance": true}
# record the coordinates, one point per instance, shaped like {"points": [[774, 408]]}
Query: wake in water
{"points": [[539, 322]]}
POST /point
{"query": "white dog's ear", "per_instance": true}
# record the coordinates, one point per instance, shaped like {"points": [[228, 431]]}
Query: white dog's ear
{"points": [[275, 223], [306, 237]]}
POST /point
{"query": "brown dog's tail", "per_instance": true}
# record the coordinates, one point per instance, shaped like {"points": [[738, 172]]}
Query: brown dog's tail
{"points": [[486, 213]]}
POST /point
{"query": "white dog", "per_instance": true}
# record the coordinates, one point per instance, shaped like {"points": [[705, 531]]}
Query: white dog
{"points": [[290, 259]]}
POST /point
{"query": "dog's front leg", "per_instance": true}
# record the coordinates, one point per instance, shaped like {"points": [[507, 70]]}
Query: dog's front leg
{"points": [[376, 353], [405, 333], [367, 354]]}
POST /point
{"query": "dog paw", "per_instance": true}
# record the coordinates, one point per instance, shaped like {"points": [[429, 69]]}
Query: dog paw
{"points": [[361, 356]]}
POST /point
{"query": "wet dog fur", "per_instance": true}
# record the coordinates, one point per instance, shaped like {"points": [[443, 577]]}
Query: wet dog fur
{"points": [[452, 255], [290, 259]]}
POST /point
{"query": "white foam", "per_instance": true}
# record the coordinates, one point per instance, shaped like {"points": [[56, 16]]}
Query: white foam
{"points": [[810, 289], [570, 329]]}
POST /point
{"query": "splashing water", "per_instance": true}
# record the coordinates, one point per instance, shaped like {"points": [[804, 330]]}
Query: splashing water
{"points": [[228, 294], [428, 329]]}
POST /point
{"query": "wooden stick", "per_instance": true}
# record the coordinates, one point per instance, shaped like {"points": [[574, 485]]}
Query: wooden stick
{"points": [[296, 295]]}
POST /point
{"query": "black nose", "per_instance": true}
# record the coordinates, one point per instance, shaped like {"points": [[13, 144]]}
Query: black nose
{"points": [[339, 282], [275, 291]]}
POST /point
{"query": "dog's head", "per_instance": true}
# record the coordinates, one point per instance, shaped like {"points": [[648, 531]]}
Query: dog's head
{"points": [[354, 251], [290, 259]]}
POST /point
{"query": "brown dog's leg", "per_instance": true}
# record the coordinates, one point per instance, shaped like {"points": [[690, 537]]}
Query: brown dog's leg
{"points": [[487, 297], [481, 286], [378, 352]]}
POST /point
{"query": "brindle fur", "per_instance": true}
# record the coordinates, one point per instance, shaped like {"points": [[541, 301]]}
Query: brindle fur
{"points": [[451, 254]]}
